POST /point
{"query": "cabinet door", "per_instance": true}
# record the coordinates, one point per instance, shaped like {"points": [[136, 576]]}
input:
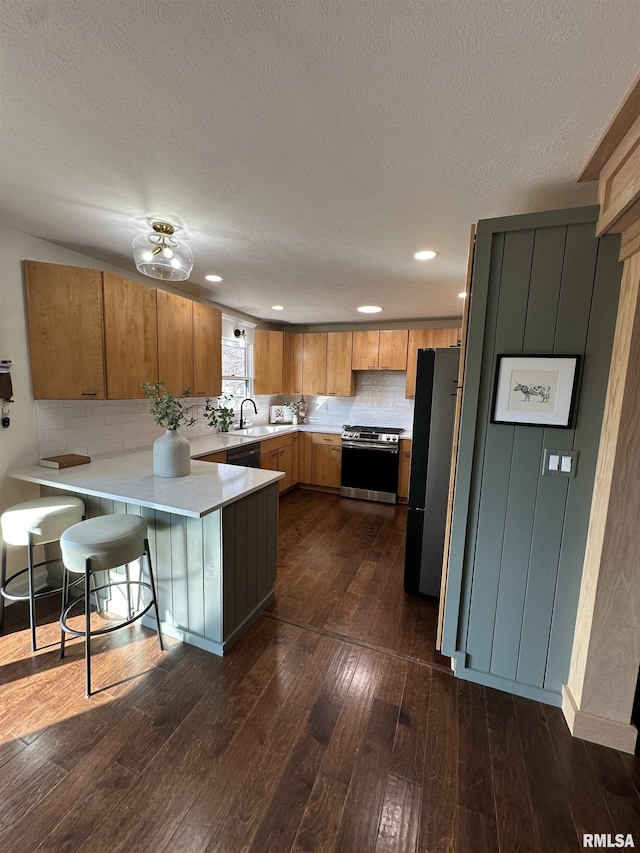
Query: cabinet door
{"points": [[64, 317], [269, 460], [285, 462], [418, 339], [268, 349], [292, 364], [295, 458], [304, 457], [366, 347], [207, 351], [446, 338], [130, 336], [220, 456], [175, 342], [326, 465], [405, 468], [393, 349], [314, 367], [340, 377]]}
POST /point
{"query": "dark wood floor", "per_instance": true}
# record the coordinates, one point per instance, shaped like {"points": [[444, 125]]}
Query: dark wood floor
{"points": [[332, 726]]}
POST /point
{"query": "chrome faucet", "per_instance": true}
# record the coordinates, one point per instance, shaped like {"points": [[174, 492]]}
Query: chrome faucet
{"points": [[246, 400]]}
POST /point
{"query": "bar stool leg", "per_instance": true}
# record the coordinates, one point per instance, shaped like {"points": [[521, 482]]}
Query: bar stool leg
{"points": [[32, 601], [153, 592], [3, 578], [65, 602], [87, 632]]}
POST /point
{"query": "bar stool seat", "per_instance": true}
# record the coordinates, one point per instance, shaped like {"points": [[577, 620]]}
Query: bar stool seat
{"points": [[36, 522], [98, 545]]}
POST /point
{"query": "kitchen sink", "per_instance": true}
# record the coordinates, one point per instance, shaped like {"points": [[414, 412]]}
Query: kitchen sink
{"points": [[262, 430]]}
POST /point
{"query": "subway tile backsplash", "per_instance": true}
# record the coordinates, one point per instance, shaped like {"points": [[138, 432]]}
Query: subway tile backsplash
{"points": [[95, 427]]}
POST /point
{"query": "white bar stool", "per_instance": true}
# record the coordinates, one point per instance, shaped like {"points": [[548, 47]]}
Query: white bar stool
{"points": [[98, 545], [30, 523]]}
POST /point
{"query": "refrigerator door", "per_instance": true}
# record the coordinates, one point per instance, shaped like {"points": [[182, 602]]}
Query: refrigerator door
{"points": [[434, 413], [418, 472], [438, 469]]}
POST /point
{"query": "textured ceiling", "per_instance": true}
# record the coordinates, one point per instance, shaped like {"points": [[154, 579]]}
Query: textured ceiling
{"points": [[308, 147]]}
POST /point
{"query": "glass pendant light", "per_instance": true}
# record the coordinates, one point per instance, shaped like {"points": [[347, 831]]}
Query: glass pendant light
{"points": [[160, 254]]}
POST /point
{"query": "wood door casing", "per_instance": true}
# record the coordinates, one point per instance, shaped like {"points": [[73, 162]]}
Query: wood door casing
{"points": [[130, 336], [65, 324], [175, 342]]}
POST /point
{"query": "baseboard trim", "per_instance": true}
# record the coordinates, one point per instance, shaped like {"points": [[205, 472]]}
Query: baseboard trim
{"points": [[622, 736]]}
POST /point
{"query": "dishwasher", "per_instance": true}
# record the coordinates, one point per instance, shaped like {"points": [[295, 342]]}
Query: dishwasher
{"points": [[247, 455]]}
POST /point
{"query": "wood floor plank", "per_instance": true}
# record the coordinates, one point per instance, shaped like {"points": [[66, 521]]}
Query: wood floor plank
{"points": [[621, 795], [549, 797], [585, 796], [476, 833], [21, 794], [321, 819], [440, 777], [360, 821], [411, 737], [475, 788], [400, 817], [517, 828]]}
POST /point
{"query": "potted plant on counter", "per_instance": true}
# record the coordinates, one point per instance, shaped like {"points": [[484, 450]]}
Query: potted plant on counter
{"points": [[221, 415], [171, 452]]}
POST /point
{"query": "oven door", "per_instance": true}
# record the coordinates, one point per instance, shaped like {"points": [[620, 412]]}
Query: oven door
{"points": [[370, 472]]}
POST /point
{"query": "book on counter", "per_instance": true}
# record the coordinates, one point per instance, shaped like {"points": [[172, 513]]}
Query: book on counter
{"points": [[66, 460]]}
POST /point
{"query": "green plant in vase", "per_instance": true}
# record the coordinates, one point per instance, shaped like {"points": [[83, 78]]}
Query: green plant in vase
{"points": [[222, 415], [171, 452], [166, 410]]}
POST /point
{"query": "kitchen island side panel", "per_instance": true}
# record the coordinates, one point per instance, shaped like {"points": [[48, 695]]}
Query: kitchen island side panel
{"points": [[214, 574]]}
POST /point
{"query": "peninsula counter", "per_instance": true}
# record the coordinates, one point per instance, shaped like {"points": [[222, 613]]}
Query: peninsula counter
{"points": [[212, 534]]}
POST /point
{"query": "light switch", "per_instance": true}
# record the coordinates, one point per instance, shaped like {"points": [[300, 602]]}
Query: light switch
{"points": [[565, 465], [559, 463], [554, 462]]}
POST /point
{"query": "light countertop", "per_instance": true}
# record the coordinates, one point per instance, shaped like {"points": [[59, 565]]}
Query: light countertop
{"points": [[128, 477]]}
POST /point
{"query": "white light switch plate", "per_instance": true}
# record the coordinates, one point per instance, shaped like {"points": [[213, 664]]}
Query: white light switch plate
{"points": [[559, 463]]}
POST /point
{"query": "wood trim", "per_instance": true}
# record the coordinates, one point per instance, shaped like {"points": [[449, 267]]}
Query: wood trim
{"points": [[619, 187], [622, 736], [616, 131], [456, 438]]}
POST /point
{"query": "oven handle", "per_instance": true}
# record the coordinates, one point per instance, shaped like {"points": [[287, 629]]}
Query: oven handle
{"points": [[361, 445]]}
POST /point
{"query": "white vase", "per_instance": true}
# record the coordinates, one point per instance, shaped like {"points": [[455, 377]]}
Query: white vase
{"points": [[171, 455]]}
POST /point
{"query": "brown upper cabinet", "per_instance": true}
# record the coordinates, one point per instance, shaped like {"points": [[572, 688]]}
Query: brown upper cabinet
{"points": [[175, 342], [341, 380], [293, 347], [424, 339], [64, 317], [207, 350], [268, 351], [385, 350], [314, 369], [130, 336]]}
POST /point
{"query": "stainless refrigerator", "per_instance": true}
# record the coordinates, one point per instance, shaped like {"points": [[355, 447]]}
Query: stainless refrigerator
{"points": [[433, 419]]}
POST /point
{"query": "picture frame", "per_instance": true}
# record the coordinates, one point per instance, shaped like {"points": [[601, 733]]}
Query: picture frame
{"points": [[535, 390]]}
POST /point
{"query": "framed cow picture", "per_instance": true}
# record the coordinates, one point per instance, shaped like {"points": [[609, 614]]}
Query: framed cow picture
{"points": [[535, 390]]}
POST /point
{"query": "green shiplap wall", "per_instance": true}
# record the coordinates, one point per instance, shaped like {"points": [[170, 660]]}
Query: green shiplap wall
{"points": [[542, 284]]}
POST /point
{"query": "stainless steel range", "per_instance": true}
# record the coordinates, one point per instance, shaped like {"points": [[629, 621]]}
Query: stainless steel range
{"points": [[370, 463]]}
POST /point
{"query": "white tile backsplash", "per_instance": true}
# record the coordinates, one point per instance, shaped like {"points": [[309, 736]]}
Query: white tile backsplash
{"points": [[94, 427]]}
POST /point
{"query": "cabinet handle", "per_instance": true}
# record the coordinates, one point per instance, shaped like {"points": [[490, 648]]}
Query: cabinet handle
{"points": [[320, 393], [88, 393], [371, 367], [331, 393], [201, 393], [384, 367]]}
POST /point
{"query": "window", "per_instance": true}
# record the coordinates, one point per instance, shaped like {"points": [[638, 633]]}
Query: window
{"points": [[236, 369]]}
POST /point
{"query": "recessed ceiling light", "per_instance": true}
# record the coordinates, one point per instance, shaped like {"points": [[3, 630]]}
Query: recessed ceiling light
{"points": [[425, 255], [277, 307], [462, 295], [369, 309], [214, 278]]}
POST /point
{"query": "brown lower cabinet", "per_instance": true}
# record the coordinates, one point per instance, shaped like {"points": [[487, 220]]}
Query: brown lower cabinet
{"points": [[276, 454], [326, 459], [405, 467], [220, 456]]}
